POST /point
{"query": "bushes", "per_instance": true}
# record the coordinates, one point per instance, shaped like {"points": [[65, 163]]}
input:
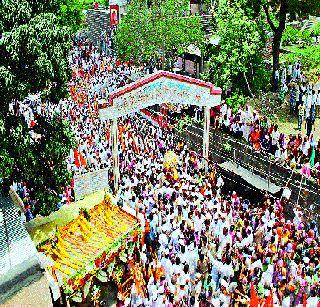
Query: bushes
{"points": [[293, 36], [310, 60], [290, 36], [315, 30], [46, 202], [236, 101]]}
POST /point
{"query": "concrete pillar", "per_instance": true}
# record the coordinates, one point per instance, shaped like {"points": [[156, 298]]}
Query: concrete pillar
{"points": [[115, 154], [201, 64], [206, 128]]}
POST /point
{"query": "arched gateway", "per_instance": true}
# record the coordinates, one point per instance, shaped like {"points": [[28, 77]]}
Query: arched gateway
{"points": [[158, 88]]}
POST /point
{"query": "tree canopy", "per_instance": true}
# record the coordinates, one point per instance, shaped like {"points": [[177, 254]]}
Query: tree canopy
{"points": [[240, 62], [35, 41], [163, 29], [34, 47], [237, 64], [277, 12]]}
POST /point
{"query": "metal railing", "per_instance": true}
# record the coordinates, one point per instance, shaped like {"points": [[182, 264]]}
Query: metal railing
{"points": [[257, 163]]}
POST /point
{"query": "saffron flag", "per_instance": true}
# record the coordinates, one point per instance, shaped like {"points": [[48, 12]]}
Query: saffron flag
{"points": [[304, 301], [82, 160], [76, 158], [254, 298], [135, 147], [269, 300]]}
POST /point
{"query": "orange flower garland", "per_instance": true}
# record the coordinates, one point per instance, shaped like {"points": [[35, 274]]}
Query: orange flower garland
{"points": [[82, 247]]}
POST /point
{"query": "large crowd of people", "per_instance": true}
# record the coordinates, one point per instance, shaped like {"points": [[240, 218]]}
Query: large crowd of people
{"points": [[95, 74], [205, 248], [298, 151], [295, 151], [201, 247]]}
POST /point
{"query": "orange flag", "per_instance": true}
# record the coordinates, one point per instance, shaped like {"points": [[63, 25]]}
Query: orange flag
{"points": [[76, 158], [269, 300], [254, 298], [123, 145], [135, 147], [82, 159], [304, 301]]}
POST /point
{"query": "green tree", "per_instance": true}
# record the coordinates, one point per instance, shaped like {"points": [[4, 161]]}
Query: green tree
{"points": [[295, 36], [70, 14], [277, 12], [310, 60], [315, 30], [35, 41], [160, 30], [237, 63], [39, 161]]}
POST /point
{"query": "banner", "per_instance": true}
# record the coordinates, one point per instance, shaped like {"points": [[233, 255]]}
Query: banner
{"points": [[161, 87], [90, 183], [114, 14]]}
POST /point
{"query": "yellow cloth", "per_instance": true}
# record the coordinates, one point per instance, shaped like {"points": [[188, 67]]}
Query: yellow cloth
{"points": [[175, 174]]}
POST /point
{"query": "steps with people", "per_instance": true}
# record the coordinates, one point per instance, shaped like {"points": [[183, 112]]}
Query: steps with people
{"points": [[97, 21]]}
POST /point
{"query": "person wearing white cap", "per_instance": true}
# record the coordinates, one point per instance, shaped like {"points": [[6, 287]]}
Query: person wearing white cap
{"points": [[193, 258], [313, 299], [181, 296], [174, 240], [160, 296]]}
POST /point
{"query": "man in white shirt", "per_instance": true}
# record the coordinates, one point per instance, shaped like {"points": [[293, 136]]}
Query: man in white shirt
{"points": [[312, 300], [275, 135]]}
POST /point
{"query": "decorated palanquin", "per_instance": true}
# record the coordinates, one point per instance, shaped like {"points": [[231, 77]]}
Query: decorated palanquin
{"points": [[170, 160], [170, 163], [90, 247]]}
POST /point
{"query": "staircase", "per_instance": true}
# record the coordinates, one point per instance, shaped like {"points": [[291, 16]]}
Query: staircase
{"points": [[206, 21], [97, 21], [19, 265]]}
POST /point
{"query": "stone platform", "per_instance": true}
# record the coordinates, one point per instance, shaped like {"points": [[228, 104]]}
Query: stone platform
{"points": [[19, 266]]}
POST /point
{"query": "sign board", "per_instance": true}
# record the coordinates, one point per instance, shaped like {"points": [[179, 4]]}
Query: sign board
{"points": [[114, 14], [90, 183], [118, 2], [159, 88]]}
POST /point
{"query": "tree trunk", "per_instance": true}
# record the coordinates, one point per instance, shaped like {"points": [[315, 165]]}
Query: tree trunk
{"points": [[248, 85], [277, 36], [276, 59]]}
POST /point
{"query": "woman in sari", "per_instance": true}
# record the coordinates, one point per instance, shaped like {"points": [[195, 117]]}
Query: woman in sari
{"points": [[255, 139]]}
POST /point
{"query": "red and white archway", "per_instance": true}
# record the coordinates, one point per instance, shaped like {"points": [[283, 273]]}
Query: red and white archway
{"points": [[158, 88]]}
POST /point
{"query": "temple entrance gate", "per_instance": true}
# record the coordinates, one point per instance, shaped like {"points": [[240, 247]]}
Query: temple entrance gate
{"points": [[158, 88]]}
